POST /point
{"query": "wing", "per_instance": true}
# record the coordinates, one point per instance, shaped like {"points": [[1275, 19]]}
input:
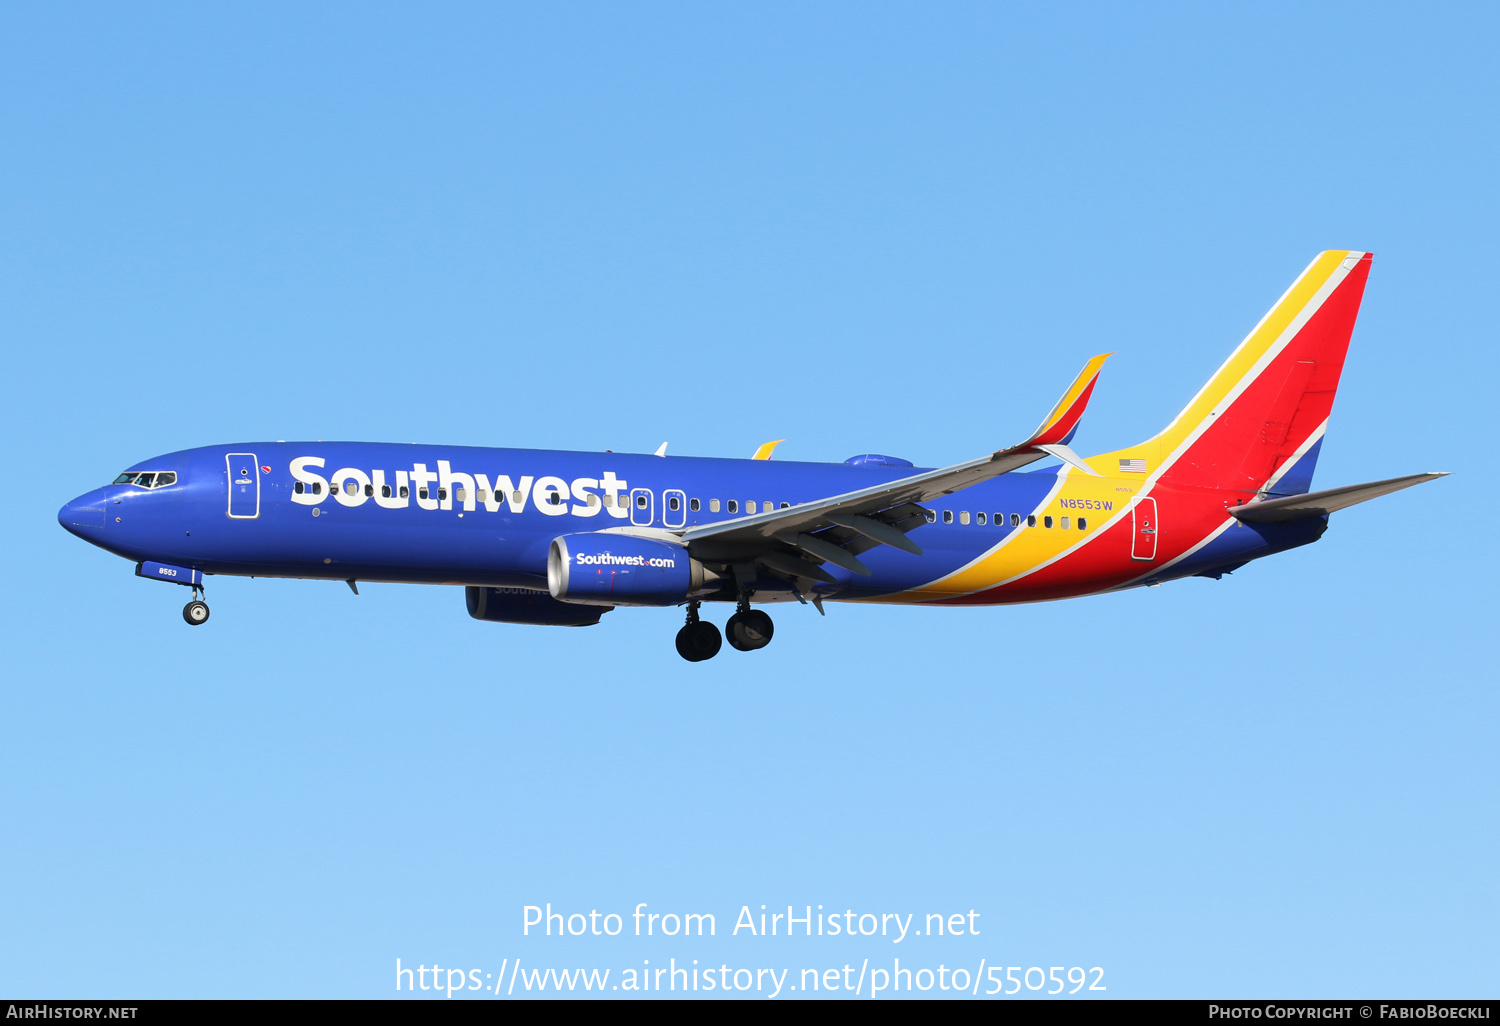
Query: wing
{"points": [[795, 542]]}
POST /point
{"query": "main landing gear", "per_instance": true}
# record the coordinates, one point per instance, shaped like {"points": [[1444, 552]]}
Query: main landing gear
{"points": [[196, 611], [748, 629], [698, 640]]}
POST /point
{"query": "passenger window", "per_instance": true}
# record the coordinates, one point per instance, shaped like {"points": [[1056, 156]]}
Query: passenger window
{"points": [[1046, 522], [385, 491], [713, 505], [317, 487], [169, 478], [1015, 520], [369, 490], [673, 504], [351, 488], [963, 518], [609, 501], [931, 516], [593, 500], [1083, 524], [694, 505], [555, 499], [1064, 523], [769, 506], [518, 497], [979, 518], [297, 487], [640, 502], [405, 492], [786, 505], [1031, 520], [458, 493], [422, 493], [734, 505], [947, 516], [750, 506]]}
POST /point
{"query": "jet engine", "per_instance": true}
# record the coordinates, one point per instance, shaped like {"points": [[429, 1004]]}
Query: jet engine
{"points": [[601, 568], [520, 605]]}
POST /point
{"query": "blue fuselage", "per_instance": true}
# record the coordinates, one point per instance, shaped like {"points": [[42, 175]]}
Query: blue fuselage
{"points": [[486, 517]]}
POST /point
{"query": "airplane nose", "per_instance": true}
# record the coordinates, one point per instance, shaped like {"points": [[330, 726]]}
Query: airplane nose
{"points": [[84, 516]]}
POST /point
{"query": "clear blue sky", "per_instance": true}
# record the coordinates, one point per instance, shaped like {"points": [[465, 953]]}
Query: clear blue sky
{"points": [[862, 228]]}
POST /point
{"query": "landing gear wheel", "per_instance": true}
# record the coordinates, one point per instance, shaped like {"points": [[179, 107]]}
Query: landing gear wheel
{"points": [[749, 630], [195, 612], [699, 640]]}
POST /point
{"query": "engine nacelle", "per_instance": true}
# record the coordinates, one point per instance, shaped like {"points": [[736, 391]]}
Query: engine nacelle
{"points": [[600, 568], [518, 605]]}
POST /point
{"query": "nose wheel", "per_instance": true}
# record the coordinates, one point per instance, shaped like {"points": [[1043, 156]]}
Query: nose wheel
{"points": [[196, 611], [698, 640]]}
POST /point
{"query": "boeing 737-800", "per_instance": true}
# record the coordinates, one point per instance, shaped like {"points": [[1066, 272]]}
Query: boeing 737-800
{"points": [[561, 538]]}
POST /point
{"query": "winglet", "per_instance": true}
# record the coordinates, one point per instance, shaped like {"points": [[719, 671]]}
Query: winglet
{"points": [[661, 449], [1061, 424], [764, 452]]}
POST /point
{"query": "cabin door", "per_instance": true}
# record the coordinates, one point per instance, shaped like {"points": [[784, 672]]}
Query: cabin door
{"points": [[641, 513], [1144, 530], [244, 485], [673, 507]]}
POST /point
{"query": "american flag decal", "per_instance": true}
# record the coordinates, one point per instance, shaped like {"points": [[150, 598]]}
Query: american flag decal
{"points": [[1132, 466]]}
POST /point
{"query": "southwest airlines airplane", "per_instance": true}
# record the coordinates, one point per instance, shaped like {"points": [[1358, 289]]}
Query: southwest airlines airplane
{"points": [[561, 538]]}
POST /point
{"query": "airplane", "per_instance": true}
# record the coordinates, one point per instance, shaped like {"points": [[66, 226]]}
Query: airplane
{"points": [[561, 538]]}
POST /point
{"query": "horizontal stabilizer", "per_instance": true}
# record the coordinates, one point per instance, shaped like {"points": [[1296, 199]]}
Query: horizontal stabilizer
{"points": [[1317, 504]]}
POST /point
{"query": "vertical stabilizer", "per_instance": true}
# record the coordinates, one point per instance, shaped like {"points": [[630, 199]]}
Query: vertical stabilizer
{"points": [[1257, 425]]}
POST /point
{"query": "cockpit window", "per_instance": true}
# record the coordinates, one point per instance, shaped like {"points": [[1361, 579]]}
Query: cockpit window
{"points": [[148, 478]]}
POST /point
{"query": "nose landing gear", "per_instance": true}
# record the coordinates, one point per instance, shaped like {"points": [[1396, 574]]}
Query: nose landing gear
{"points": [[196, 611], [698, 640]]}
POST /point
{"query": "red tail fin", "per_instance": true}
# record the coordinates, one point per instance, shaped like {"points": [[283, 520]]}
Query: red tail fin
{"points": [[1266, 409]]}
